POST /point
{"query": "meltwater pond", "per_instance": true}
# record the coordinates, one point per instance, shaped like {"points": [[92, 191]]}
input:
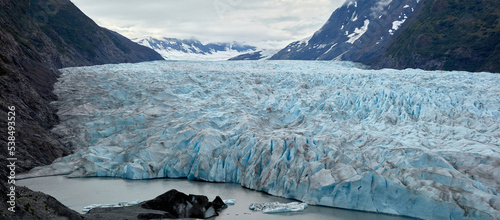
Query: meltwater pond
{"points": [[424, 144], [76, 193]]}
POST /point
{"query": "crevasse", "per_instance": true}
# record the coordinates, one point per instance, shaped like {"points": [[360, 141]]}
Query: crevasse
{"points": [[411, 142]]}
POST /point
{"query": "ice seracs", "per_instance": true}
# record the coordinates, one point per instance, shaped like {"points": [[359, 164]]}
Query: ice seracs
{"points": [[326, 133]]}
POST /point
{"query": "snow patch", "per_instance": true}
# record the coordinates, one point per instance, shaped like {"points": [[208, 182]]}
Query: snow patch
{"points": [[354, 17], [355, 3], [266, 54], [331, 48], [358, 32], [144, 43], [305, 41], [321, 46], [397, 24]]}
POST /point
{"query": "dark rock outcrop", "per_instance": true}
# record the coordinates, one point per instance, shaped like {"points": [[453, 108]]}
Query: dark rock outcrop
{"points": [[36, 205], [172, 204], [180, 205], [36, 38]]}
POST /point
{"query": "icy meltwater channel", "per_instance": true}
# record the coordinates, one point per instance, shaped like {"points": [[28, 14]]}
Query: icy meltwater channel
{"points": [[413, 143]]}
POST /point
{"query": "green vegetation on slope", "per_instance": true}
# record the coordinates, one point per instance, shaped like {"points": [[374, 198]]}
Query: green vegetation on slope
{"points": [[452, 35]]}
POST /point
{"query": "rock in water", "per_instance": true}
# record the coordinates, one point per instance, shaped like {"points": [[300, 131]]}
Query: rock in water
{"points": [[180, 205], [219, 204], [172, 204]]}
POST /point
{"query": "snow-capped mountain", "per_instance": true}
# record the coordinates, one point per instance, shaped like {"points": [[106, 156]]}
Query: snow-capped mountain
{"points": [[423, 34], [356, 31], [192, 49]]}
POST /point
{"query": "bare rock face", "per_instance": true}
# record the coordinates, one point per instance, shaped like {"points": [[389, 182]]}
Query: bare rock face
{"points": [[23, 203]]}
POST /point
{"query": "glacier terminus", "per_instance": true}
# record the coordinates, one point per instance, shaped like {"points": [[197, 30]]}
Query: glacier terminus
{"points": [[415, 143]]}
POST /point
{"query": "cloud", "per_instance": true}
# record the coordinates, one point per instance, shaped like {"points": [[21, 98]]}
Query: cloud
{"points": [[379, 8], [271, 22]]}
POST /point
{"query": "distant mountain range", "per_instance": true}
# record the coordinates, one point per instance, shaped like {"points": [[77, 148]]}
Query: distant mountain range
{"points": [[191, 49], [426, 34]]}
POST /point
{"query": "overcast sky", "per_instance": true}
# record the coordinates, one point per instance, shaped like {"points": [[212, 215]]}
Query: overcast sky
{"points": [[263, 23]]}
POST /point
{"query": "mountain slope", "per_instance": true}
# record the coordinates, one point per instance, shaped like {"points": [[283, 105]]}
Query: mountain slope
{"points": [[78, 40], [177, 49], [35, 41], [426, 34], [36, 38], [449, 35], [356, 31]]}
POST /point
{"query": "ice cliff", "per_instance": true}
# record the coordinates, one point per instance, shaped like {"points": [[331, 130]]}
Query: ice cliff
{"points": [[413, 143]]}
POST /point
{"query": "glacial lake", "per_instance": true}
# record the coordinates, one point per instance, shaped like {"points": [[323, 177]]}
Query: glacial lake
{"points": [[77, 193]]}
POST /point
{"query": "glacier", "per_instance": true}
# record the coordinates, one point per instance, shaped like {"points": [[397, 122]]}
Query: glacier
{"points": [[404, 142]]}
